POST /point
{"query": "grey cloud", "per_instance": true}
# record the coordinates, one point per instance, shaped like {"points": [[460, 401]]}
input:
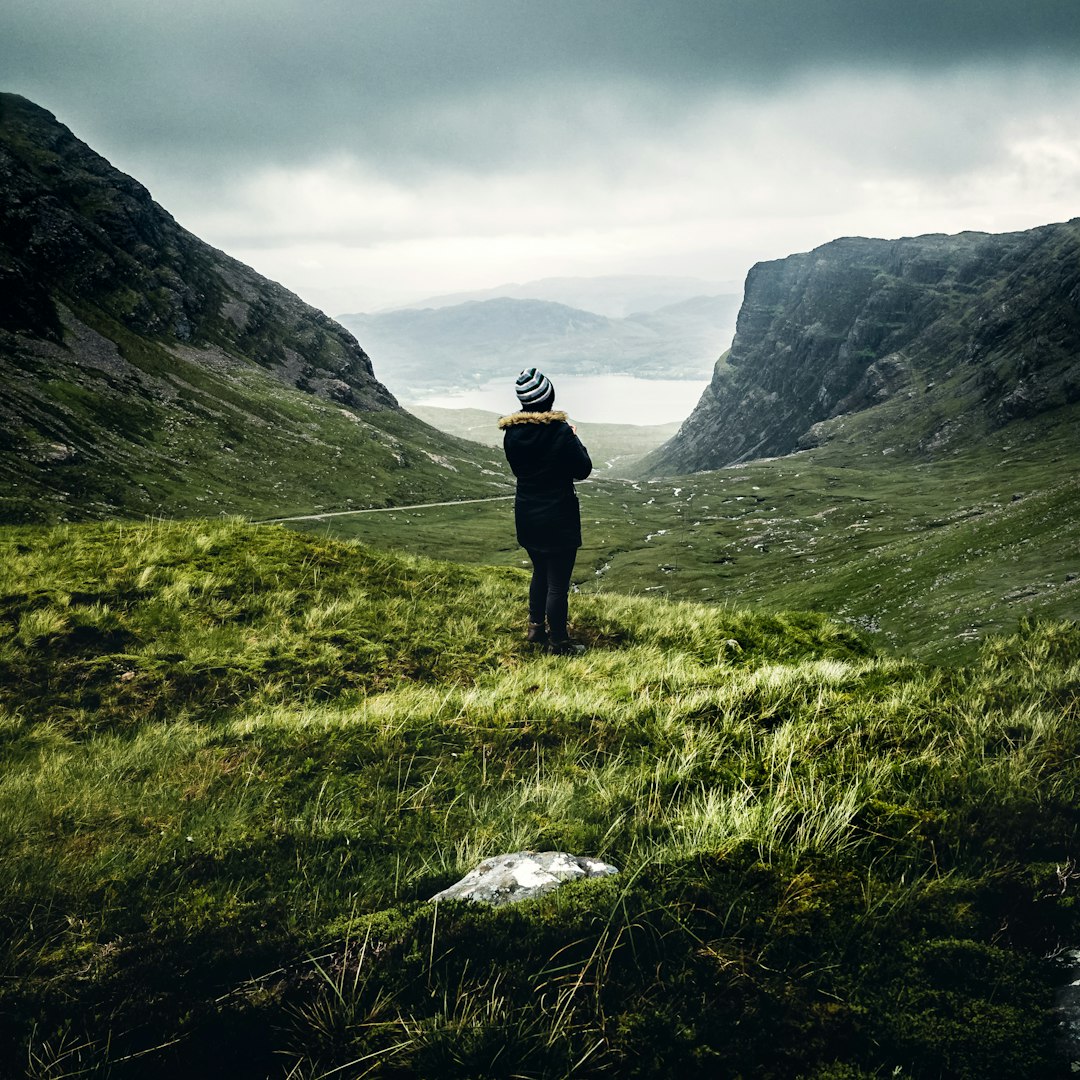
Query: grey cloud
{"points": [[470, 82]]}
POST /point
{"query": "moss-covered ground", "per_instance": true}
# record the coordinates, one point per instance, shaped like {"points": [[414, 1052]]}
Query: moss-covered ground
{"points": [[239, 759]]}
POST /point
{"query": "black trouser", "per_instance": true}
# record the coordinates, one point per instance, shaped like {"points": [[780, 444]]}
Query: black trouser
{"points": [[549, 588]]}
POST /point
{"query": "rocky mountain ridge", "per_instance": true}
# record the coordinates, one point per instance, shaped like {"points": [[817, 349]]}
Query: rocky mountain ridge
{"points": [[915, 344], [144, 370], [78, 233]]}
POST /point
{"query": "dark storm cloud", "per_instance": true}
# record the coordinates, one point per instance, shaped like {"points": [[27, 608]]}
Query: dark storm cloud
{"points": [[367, 151], [470, 82]]}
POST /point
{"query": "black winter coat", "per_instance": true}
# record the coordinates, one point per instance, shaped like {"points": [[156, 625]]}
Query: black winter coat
{"points": [[546, 457]]}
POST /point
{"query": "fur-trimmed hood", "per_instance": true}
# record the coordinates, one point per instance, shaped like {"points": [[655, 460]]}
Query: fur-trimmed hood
{"points": [[531, 418]]}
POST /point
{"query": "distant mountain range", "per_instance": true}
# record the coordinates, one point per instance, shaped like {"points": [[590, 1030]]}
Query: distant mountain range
{"points": [[920, 345], [420, 350], [146, 372], [614, 295]]}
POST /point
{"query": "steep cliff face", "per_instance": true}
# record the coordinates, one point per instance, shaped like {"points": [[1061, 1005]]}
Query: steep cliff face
{"points": [[917, 339], [144, 370]]}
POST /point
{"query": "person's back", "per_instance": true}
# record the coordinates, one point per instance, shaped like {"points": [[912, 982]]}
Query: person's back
{"points": [[546, 456]]}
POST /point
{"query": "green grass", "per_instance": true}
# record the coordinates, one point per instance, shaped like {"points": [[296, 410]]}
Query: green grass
{"points": [[202, 438], [238, 759], [928, 556]]}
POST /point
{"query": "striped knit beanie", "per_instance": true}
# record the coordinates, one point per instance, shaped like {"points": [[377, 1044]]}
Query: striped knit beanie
{"points": [[534, 390]]}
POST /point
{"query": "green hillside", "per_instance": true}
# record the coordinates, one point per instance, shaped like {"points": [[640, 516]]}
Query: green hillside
{"points": [[927, 557], [145, 372], [228, 441], [238, 759]]}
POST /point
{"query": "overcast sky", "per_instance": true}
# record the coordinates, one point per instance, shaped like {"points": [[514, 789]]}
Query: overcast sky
{"points": [[366, 152]]}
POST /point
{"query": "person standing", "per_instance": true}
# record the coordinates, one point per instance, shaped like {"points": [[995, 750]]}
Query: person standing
{"points": [[546, 456]]}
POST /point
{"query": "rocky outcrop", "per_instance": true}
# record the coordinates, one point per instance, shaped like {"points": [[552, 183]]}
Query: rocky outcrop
{"points": [[522, 875], [929, 327], [77, 233]]}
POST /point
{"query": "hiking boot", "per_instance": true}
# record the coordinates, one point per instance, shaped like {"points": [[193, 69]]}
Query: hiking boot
{"points": [[566, 647], [536, 634]]}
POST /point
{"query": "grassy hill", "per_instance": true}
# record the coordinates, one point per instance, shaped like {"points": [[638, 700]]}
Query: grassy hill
{"points": [[238, 760], [927, 557], [229, 441]]}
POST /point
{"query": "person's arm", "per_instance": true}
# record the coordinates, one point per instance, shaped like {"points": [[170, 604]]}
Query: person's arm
{"points": [[577, 456]]}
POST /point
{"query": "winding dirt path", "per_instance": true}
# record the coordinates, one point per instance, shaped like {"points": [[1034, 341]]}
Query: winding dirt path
{"points": [[379, 510]]}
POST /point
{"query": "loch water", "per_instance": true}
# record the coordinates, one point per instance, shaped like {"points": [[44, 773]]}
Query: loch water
{"points": [[598, 399]]}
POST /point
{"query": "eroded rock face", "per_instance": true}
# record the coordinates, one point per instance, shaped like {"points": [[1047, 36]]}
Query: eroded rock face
{"points": [[930, 327], [78, 232], [130, 350], [522, 875]]}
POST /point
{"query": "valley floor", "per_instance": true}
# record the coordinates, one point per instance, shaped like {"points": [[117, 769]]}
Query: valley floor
{"points": [[927, 558]]}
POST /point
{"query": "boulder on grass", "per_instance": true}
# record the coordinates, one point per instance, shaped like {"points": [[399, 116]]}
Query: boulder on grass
{"points": [[522, 875]]}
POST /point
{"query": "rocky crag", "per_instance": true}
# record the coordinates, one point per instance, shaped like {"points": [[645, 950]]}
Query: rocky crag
{"points": [[915, 344], [145, 370]]}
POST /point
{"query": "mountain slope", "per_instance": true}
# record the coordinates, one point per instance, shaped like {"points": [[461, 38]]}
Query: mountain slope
{"points": [[145, 371], [913, 344]]}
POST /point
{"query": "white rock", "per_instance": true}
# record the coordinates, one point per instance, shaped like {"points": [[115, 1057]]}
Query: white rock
{"points": [[522, 875]]}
